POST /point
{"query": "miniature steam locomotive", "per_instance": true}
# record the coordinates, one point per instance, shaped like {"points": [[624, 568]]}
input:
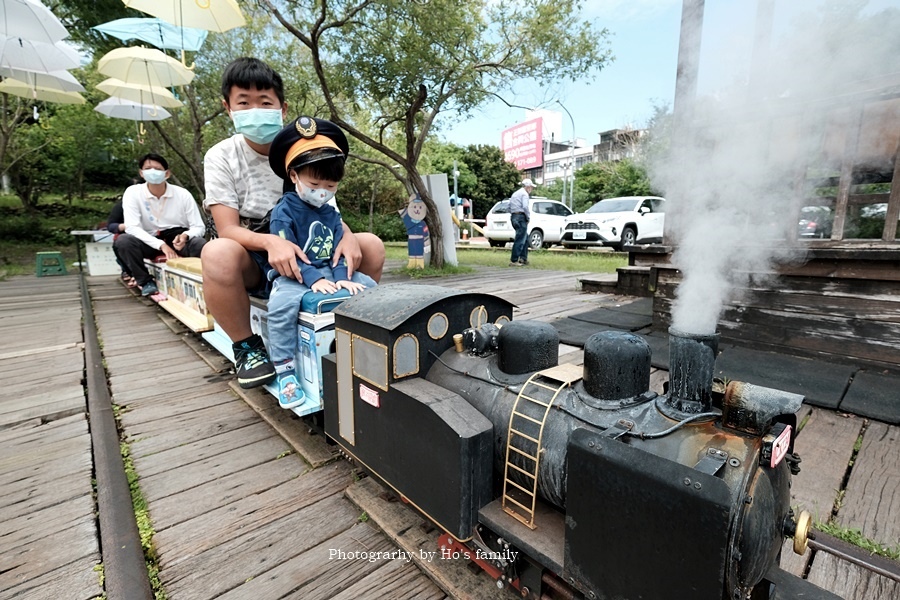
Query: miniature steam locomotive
{"points": [[560, 481], [564, 481]]}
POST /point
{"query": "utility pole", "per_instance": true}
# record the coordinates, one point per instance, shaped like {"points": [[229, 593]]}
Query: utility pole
{"points": [[571, 161]]}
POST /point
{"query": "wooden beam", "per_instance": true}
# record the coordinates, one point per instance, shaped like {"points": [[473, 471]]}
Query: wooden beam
{"points": [[854, 123], [893, 211]]}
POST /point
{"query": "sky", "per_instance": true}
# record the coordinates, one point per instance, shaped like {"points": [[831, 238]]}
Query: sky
{"points": [[644, 41]]}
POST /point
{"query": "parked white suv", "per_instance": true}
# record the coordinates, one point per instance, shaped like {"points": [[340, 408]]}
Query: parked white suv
{"points": [[544, 228], [617, 222]]}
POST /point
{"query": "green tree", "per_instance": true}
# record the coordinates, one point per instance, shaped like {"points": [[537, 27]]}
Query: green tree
{"points": [[406, 62], [496, 179]]}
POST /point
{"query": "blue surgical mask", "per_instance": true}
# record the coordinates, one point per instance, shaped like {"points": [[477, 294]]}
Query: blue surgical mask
{"points": [[313, 197], [259, 125], [153, 176]]}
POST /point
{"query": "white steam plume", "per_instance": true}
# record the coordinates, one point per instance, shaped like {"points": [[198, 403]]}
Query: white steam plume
{"points": [[732, 172]]}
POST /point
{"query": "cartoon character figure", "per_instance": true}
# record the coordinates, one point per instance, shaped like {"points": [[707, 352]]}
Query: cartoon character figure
{"points": [[414, 219]]}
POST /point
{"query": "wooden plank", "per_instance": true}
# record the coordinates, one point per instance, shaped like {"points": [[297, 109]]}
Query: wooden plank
{"points": [[850, 581], [872, 500], [49, 553], [74, 581], [319, 572], [207, 497], [201, 449], [163, 389], [193, 474], [39, 473], [247, 514], [154, 436], [216, 568], [825, 446], [166, 409], [44, 522], [65, 404], [404, 528], [59, 429], [37, 351], [28, 499], [312, 447], [395, 580]]}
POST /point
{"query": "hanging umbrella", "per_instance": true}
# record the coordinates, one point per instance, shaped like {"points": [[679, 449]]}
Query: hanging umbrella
{"points": [[157, 32], [31, 20], [119, 108], [212, 15], [21, 53], [22, 89], [61, 80], [140, 93], [146, 66]]}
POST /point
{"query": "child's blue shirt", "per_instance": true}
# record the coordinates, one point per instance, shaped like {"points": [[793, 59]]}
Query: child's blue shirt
{"points": [[317, 231]]}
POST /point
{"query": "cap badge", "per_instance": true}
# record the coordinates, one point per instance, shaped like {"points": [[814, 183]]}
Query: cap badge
{"points": [[306, 127]]}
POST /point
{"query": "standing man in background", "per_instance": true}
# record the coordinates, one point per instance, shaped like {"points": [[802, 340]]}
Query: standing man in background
{"points": [[519, 215]]}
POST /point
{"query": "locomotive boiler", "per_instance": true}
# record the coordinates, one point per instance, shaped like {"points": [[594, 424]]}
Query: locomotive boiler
{"points": [[565, 481]]}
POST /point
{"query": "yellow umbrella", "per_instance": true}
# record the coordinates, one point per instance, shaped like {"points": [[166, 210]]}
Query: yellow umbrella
{"points": [[140, 93], [22, 89], [212, 15], [146, 66]]}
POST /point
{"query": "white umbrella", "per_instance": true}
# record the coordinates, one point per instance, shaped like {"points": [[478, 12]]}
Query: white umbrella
{"points": [[119, 108], [19, 88], [146, 66], [212, 15], [60, 80], [31, 20], [136, 92], [20, 53]]}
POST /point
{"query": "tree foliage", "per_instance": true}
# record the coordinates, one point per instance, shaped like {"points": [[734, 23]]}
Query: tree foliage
{"points": [[406, 62], [610, 180]]}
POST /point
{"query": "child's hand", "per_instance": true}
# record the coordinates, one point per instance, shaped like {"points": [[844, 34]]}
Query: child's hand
{"points": [[350, 286], [323, 286]]}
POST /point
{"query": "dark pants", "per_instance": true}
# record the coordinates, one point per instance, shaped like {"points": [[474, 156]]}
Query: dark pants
{"points": [[131, 252], [520, 245]]}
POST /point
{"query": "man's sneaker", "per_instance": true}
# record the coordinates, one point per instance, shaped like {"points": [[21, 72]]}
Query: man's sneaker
{"points": [[149, 288], [252, 363], [515, 263], [523, 262]]}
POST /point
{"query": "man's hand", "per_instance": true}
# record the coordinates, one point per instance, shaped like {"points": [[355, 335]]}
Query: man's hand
{"points": [[283, 256], [323, 286], [352, 287], [349, 249], [180, 242], [170, 254]]}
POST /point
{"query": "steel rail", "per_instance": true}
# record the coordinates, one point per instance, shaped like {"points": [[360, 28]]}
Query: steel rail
{"points": [[124, 566], [854, 554]]}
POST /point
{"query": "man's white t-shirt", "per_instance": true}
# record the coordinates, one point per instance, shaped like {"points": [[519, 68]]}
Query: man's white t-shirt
{"points": [[239, 177]]}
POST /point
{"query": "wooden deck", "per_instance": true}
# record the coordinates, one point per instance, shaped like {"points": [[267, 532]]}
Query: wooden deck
{"points": [[246, 503]]}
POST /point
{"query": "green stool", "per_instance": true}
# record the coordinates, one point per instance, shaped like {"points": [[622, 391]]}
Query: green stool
{"points": [[50, 263]]}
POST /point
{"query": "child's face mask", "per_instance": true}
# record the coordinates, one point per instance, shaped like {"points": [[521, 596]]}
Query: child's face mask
{"points": [[259, 125], [313, 197]]}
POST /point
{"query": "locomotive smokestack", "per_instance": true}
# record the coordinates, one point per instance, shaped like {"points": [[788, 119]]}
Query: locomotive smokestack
{"points": [[692, 359]]}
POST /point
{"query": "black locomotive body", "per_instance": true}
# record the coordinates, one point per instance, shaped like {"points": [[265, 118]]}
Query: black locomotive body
{"points": [[565, 480]]}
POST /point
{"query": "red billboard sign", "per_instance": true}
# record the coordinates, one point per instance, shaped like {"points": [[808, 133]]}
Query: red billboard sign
{"points": [[523, 144]]}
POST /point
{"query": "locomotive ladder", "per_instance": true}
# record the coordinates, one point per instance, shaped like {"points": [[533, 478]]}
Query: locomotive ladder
{"points": [[523, 442]]}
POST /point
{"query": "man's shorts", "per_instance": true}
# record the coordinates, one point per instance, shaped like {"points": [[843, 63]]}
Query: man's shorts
{"points": [[264, 287]]}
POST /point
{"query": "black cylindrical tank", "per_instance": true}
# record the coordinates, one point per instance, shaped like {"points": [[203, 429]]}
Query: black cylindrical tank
{"points": [[527, 346], [616, 365], [692, 361]]}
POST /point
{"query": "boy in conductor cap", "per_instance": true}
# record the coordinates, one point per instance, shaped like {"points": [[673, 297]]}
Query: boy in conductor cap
{"points": [[309, 155]]}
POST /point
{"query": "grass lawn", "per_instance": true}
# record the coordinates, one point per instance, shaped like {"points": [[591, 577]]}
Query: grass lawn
{"points": [[553, 260]]}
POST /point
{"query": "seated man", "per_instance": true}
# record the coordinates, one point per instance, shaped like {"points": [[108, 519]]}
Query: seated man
{"points": [[160, 218], [240, 190]]}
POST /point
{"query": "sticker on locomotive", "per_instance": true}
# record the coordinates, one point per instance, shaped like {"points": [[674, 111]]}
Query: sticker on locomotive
{"points": [[369, 396]]}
